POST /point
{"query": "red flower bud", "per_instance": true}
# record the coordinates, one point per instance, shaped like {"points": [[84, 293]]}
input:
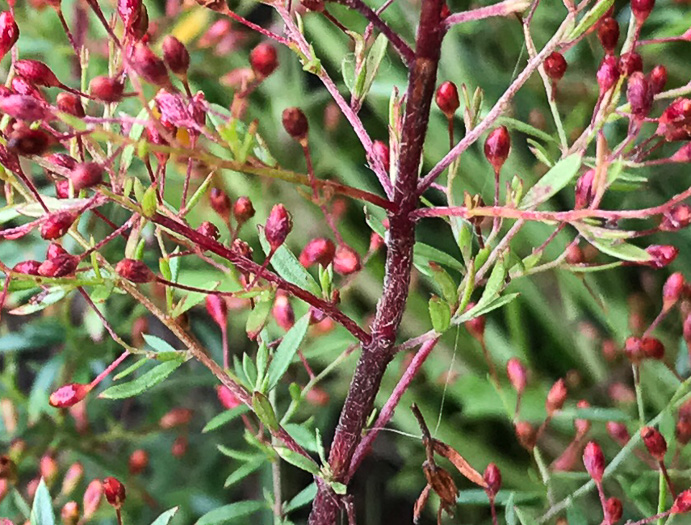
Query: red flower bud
{"points": [[682, 504], [497, 147], [662, 255], [319, 250], [69, 395], [555, 66], [106, 89], [176, 56], [675, 121], [179, 447], [608, 33], [27, 141], [654, 442], [594, 461], [633, 350], [209, 229], [476, 326], [114, 491], [672, 290], [55, 250], [217, 308], [317, 396], [21, 86], [278, 226], [86, 175], [652, 348], [129, 11], [629, 63], [57, 224], [60, 266], [613, 510], [48, 468], [582, 425], [283, 312], [9, 32], [574, 255], [175, 417], [295, 123], [70, 103], [657, 79], [526, 434], [447, 98], [243, 210], [220, 202], [556, 397], [517, 374], [139, 460], [227, 398], [682, 430], [37, 73], [640, 95], [346, 260], [492, 477], [93, 496], [607, 73], [29, 267], [618, 432], [149, 66], [24, 107], [641, 9], [678, 217], [381, 151], [264, 59], [134, 271]]}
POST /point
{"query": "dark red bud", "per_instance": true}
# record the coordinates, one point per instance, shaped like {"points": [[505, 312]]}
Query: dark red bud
{"points": [[106, 89], [209, 229], [220, 202], [278, 226], [57, 224], [129, 11], [633, 350], [492, 477], [24, 107], [37, 73], [55, 250], [114, 491], [517, 374], [381, 151], [139, 460], [594, 461], [227, 398], [179, 447], [526, 434], [346, 260], [618, 432], [295, 123], [657, 78], [264, 59], [608, 33], [86, 175], [243, 210], [476, 326], [9, 32], [134, 271], [70, 103], [682, 504], [29, 267], [497, 147], [22, 86], [68, 395], [607, 73], [574, 254], [555, 66], [682, 430], [613, 510], [662, 255], [672, 290], [217, 308], [27, 141], [319, 251], [629, 63], [556, 397], [675, 121], [654, 442], [60, 266], [283, 312], [640, 95], [176, 56], [641, 9], [150, 67], [652, 348], [447, 98], [317, 396], [62, 188]]}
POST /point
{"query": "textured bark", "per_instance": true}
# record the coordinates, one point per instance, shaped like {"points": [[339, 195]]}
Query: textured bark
{"points": [[378, 353]]}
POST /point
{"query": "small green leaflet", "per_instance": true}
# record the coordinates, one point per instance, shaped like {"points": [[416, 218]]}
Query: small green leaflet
{"points": [[286, 351], [554, 180], [157, 343], [42, 508], [616, 247], [243, 471], [40, 301], [590, 18], [165, 518], [304, 497], [148, 380], [288, 267], [228, 513], [225, 417], [298, 460]]}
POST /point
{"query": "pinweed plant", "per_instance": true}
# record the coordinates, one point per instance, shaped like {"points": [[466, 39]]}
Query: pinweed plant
{"points": [[331, 262]]}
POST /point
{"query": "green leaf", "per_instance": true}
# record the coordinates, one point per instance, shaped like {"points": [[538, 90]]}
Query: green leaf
{"points": [[141, 384], [479, 309], [554, 180], [286, 351], [148, 202], [594, 414], [135, 133], [616, 248], [425, 253], [40, 301], [298, 460], [288, 267], [590, 18], [225, 417], [243, 471], [338, 488], [440, 314], [265, 412], [371, 67], [447, 285], [42, 508], [226, 514], [495, 284], [131, 369], [304, 497], [511, 511], [258, 316], [165, 518], [158, 344], [522, 127]]}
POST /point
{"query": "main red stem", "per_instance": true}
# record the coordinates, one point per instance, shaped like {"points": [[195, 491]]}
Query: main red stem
{"points": [[377, 354]]}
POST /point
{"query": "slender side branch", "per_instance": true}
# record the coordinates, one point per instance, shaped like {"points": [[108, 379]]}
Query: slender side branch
{"points": [[505, 8]]}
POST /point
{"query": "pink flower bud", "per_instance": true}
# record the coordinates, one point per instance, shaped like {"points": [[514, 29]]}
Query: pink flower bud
{"points": [[60, 266], [106, 89], [23, 107], [179, 447], [640, 95], [381, 151], [283, 312], [69, 395], [72, 478], [243, 210], [629, 63], [70, 103], [70, 513], [682, 504], [657, 78], [652, 348], [37, 73], [55, 250], [633, 350], [346, 260], [209, 229], [27, 141], [375, 242], [675, 121], [29, 267], [139, 460], [594, 461], [641, 9], [662, 255], [129, 11], [57, 224], [227, 398], [526, 435], [608, 33], [175, 417], [476, 326], [9, 32], [134, 271], [295, 123], [582, 426], [574, 255], [264, 59], [672, 290], [683, 154], [48, 468], [613, 510], [21, 86], [149, 66], [220, 202], [497, 147], [618, 432], [114, 491], [278, 226], [93, 496], [319, 250], [654, 442], [492, 477], [682, 430], [556, 397], [86, 175], [317, 397], [217, 308], [555, 66], [447, 98], [176, 56], [517, 374]]}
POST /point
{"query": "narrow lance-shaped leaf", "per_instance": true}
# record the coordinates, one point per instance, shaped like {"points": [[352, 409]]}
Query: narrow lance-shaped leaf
{"points": [[553, 181], [42, 508], [286, 351], [148, 380]]}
